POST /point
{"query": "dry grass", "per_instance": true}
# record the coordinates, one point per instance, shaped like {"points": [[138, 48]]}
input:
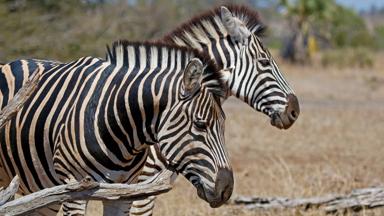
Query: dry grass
{"points": [[336, 145]]}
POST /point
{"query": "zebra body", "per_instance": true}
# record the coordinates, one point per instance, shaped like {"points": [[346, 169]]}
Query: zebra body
{"points": [[97, 118]]}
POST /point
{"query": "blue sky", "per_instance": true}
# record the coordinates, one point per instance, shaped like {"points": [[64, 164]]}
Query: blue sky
{"points": [[361, 4]]}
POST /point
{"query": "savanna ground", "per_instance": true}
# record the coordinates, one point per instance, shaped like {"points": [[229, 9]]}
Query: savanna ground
{"points": [[336, 145]]}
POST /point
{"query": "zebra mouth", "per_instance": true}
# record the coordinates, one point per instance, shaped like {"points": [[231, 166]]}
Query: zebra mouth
{"points": [[284, 119], [276, 120], [214, 200], [200, 188], [281, 120], [203, 193]]}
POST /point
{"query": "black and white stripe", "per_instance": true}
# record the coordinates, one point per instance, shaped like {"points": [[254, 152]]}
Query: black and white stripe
{"points": [[94, 117], [256, 79]]}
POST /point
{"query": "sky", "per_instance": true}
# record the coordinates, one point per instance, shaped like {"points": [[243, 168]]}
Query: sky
{"points": [[360, 5]]}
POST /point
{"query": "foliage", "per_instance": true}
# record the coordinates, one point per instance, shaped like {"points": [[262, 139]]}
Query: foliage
{"points": [[348, 29], [309, 10], [348, 57], [325, 21], [379, 37], [49, 5], [65, 31], [303, 14]]}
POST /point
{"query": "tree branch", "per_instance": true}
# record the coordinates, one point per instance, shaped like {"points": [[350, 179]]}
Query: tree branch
{"points": [[10, 191], [89, 190], [367, 198], [17, 102]]}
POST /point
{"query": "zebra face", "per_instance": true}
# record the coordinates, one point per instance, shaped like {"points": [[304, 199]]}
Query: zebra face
{"points": [[255, 77], [272, 94], [192, 140]]}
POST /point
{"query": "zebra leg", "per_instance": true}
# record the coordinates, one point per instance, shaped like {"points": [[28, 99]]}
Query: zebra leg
{"points": [[77, 207], [153, 165], [47, 211], [116, 207], [51, 210], [143, 207]]}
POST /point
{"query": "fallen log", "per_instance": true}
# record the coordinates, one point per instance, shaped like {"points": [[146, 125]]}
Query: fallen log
{"points": [[89, 190], [367, 198]]}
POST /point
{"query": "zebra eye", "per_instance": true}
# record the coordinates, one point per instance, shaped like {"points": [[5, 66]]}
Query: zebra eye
{"points": [[200, 124], [264, 61]]}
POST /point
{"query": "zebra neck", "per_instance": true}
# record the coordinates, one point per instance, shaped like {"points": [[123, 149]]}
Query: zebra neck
{"points": [[146, 90]]}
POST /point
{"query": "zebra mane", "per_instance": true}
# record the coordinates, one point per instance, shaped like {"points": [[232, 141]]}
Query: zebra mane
{"points": [[211, 19], [213, 78]]}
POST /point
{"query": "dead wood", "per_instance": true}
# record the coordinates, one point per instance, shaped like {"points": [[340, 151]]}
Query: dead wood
{"points": [[17, 102], [89, 190], [367, 198], [9, 192]]}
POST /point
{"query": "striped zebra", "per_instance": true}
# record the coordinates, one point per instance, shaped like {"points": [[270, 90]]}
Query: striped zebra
{"points": [[97, 118], [230, 36]]}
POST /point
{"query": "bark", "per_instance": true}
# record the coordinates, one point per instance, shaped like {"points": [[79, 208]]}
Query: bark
{"points": [[367, 198], [88, 190], [17, 102], [9, 193]]}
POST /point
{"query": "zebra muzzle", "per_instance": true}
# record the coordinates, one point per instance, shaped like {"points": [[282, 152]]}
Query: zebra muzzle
{"points": [[222, 191], [285, 119]]}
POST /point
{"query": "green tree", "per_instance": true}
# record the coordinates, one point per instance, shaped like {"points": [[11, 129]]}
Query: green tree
{"points": [[348, 29], [336, 25], [302, 14]]}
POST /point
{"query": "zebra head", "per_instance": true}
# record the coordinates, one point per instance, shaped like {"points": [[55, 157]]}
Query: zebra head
{"points": [[230, 36], [192, 136], [256, 78]]}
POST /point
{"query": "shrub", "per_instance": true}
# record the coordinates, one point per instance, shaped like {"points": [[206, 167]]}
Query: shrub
{"points": [[348, 57]]}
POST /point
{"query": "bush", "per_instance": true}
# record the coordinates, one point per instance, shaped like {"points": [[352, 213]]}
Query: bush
{"points": [[348, 29], [379, 37], [348, 57], [67, 30]]}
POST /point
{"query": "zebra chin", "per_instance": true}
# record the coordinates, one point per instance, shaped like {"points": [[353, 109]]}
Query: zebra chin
{"points": [[222, 191], [286, 118]]}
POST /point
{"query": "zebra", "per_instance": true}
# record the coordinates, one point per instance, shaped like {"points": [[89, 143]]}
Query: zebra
{"points": [[230, 35], [98, 118]]}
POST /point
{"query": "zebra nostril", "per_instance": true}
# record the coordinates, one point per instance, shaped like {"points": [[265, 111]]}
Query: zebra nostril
{"points": [[294, 115], [293, 108], [226, 193]]}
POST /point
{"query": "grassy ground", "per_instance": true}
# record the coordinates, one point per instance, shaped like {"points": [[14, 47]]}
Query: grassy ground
{"points": [[335, 146]]}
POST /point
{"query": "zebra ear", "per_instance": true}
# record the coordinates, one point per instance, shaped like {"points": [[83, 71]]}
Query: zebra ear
{"points": [[234, 26], [192, 77]]}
